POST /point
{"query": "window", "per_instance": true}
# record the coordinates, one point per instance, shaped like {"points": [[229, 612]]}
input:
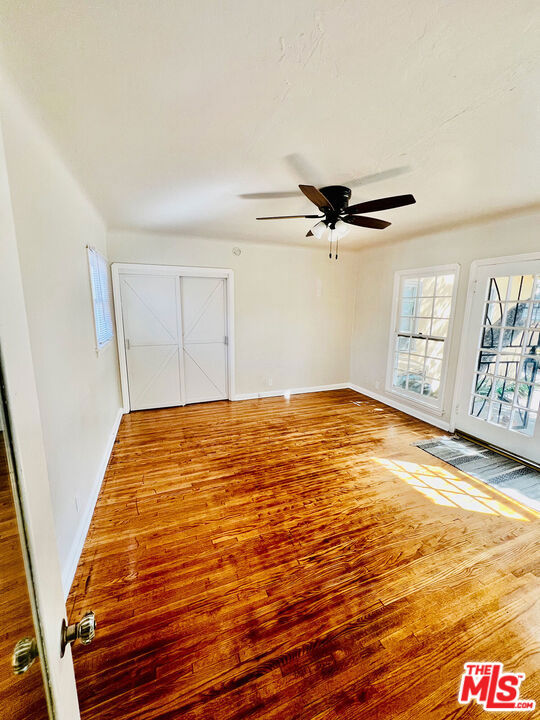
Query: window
{"points": [[101, 297], [506, 388], [423, 309]]}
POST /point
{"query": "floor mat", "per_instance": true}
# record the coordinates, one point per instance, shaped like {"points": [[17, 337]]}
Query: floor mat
{"points": [[510, 477]]}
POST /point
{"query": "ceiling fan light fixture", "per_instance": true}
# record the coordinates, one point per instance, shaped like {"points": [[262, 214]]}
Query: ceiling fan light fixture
{"points": [[341, 229], [319, 229]]}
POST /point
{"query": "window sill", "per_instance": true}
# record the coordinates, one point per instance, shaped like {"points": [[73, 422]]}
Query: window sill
{"points": [[426, 406]]}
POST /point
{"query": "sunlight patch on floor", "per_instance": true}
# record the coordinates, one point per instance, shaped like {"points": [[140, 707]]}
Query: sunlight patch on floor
{"points": [[444, 488]]}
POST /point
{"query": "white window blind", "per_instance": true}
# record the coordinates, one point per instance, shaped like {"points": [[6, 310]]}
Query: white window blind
{"points": [[101, 297]]}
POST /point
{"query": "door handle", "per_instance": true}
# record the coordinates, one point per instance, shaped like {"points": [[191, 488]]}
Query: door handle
{"points": [[128, 344], [24, 654], [84, 630]]}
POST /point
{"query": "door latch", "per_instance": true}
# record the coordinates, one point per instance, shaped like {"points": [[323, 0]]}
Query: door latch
{"points": [[84, 630]]}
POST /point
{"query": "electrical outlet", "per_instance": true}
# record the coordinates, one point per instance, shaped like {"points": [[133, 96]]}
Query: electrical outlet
{"points": [[377, 384], [269, 381], [77, 503]]}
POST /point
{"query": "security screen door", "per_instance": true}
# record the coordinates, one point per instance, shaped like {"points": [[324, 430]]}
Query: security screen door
{"points": [[500, 390]]}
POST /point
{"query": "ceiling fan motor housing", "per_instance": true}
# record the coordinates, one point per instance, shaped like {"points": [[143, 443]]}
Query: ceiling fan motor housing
{"points": [[338, 195]]}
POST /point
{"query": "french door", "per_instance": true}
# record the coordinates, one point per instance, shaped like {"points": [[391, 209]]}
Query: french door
{"points": [[173, 335], [499, 397]]}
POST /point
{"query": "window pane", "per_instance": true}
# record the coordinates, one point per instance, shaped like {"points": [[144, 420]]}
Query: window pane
{"points": [[425, 308], [530, 369], [404, 344], [508, 365], [414, 383], [499, 414], [427, 286], [535, 315], [440, 328], [441, 308], [480, 408], [532, 343], [405, 324], [434, 368], [498, 288], [490, 337], [527, 396], [408, 308], [416, 364], [524, 422], [494, 313], [423, 326], [483, 385], [445, 285], [521, 287], [431, 388], [486, 362], [410, 288], [402, 361], [418, 346], [516, 314], [504, 389], [435, 348]]}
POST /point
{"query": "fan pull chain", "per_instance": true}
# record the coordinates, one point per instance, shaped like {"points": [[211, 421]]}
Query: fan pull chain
{"points": [[336, 254]]}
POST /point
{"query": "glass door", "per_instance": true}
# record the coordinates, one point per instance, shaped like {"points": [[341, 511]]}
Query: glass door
{"points": [[500, 394]]}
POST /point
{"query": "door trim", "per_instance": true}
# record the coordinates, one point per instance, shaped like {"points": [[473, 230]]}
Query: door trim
{"points": [[117, 269], [461, 370]]}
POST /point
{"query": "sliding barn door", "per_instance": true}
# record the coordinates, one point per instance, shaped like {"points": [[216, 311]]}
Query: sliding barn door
{"points": [[204, 323], [150, 313]]}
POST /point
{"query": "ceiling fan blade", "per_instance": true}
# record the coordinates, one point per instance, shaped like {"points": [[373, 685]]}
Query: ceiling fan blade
{"points": [[381, 204], [316, 196], [367, 222], [378, 177], [269, 195], [286, 217]]}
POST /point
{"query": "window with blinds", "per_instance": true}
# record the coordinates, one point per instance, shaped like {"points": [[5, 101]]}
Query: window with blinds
{"points": [[101, 297], [421, 326]]}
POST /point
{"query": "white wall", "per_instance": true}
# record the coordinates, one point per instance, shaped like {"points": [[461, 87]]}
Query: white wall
{"points": [[78, 390], [293, 306], [507, 234]]}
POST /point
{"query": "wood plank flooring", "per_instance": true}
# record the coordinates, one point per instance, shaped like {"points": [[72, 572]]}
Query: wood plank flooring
{"points": [[278, 559]]}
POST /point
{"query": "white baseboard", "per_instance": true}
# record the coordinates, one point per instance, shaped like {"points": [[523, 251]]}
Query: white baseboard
{"points": [[290, 391], [418, 414], [68, 572]]}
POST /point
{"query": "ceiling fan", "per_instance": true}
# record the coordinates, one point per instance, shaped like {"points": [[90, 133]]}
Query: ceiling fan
{"points": [[333, 203]]}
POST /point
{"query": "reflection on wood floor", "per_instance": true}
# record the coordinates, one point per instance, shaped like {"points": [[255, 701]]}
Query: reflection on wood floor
{"points": [[21, 697], [262, 559]]}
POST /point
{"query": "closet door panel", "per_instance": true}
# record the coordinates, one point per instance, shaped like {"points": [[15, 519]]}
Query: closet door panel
{"points": [[150, 315], [204, 323]]}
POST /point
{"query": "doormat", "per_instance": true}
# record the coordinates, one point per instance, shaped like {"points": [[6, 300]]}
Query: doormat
{"points": [[518, 481]]}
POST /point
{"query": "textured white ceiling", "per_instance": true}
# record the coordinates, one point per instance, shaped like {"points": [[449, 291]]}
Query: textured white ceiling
{"points": [[167, 111]]}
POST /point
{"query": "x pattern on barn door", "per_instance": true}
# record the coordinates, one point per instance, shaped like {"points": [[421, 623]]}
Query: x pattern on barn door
{"points": [[204, 338]]}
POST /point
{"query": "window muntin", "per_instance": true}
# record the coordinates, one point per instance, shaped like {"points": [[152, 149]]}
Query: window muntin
{"points": [[506, 387], [422, 325], [101, 297]]}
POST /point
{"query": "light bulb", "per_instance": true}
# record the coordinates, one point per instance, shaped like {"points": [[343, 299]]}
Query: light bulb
{"points": [[319, 229], [341, 229]]}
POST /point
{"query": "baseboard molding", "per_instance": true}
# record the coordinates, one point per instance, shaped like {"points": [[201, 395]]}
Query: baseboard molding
{"points": [[68, 572], [418, 414], [290, 391]]}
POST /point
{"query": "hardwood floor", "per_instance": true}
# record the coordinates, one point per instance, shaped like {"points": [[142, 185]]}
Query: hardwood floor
{"points": [[276, 559]]}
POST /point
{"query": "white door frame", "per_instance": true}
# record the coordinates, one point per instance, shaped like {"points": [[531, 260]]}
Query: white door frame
{"points": [[118, 269], [42, 564], [461, 371]]}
